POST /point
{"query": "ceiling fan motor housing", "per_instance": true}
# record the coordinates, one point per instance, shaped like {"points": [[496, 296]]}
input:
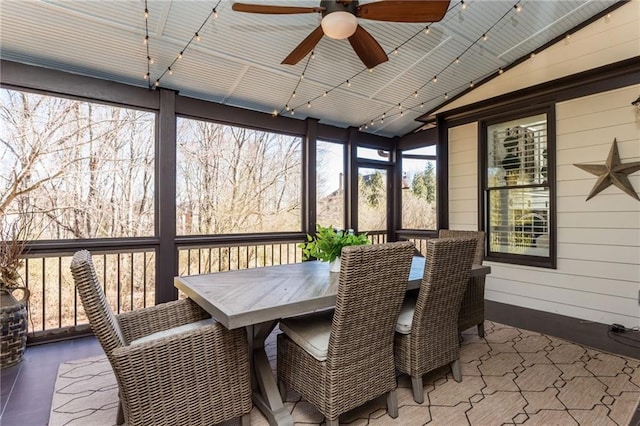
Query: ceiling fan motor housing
{"points": [[331, 6]]}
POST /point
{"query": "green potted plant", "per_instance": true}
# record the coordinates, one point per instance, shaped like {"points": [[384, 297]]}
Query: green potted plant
{"points": [[13, 312], [327, 245]]}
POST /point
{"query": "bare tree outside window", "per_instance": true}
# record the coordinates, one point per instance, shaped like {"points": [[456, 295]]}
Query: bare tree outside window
{"points": [[233, 180]]}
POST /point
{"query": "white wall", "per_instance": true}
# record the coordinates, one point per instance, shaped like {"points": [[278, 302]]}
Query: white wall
{"points": [[598, 241]]}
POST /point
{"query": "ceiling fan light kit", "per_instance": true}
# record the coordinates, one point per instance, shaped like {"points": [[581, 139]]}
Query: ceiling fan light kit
{"points": [[339, 25], [340, 21]]}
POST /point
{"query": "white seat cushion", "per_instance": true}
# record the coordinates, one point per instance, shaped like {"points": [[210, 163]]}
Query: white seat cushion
{"points": [[311, 332], [173, 331], [405, 319]]}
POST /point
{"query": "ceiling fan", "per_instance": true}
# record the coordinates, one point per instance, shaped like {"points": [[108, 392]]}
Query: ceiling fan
{"points": [[340, 21]]}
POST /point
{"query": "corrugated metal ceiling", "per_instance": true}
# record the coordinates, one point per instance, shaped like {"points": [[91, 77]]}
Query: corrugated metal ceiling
{"points": [[237, 60]]}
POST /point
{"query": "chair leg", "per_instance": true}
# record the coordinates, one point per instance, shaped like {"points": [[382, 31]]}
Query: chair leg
{"points": [[245, 420], [329, 422], [416, 384], [120, 415], [456, 369], [481, 329], [392, 404]]}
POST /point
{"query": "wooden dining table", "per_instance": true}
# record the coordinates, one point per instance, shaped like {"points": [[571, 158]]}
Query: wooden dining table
{"points": [[258, 298]]}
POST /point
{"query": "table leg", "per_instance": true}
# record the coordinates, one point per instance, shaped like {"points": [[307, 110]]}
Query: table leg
{"points": [[265, 395]]}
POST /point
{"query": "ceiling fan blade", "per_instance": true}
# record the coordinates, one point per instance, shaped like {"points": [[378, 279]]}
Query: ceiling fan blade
{"points": [[304, 47], [276, 10], [404, 11], [367, 48]]}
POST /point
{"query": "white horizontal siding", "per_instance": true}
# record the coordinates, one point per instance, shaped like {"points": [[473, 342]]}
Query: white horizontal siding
{"points": [[463, 177]]}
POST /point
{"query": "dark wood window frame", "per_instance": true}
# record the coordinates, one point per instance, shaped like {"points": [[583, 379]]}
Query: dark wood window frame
{"points": [[483, 188]]}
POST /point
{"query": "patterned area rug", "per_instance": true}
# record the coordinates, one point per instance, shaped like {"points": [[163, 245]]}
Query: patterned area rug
{"points": [[513, 376]]}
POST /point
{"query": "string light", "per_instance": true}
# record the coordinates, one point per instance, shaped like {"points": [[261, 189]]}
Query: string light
{"points": [[533, 54], [422, 105], [149, 59], [274, 113], [309, 104], [484, 37], [395, 51], [372, 123], [446, 96], [313, 54], [471, 84], [146, 76], [427, 30], [458, 60], [518, 8], [302, 76], [382, 120], [400, 107], [348, 83], [324, 95], [196, 36], [370, 70], [293, 112], [463, 4], [500, 71], [415, 94], [287, 107], [435, 79], [293, 95], [146, 13], [146, 39]]}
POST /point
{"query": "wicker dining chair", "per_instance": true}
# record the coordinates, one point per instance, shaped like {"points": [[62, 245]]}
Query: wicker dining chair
{"points": [[340, 359], [472, 308], [172, 362], [427, 328]]}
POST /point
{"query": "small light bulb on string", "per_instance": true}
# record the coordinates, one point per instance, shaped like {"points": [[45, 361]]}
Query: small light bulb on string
{"points": [[382, 120], [395, 51], [197, 37], [370, 69], [446, 96], [157, 83], [308, 104], [302, 76], [146, 39], [608, 16], [180, 55], [372, 123], [500, 71], [422, 105], [458, 60], [287, 107], [384, 114], [426, 30], [348, 83], [293, 112], [149, 59], [146, 13], [484, 37], [313, 54], [215, 13], [293, 95], [274, 113], [400, 107], [518, 8], [401, 113], [170, 71], [435, 79], [463, 4], [324, 95], [471, 84], [146, 76], [415, 94], [366, 126], [533, 54], [568, 36]]}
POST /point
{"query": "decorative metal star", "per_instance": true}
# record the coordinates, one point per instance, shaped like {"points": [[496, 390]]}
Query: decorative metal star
{"points": [[612, 172]]}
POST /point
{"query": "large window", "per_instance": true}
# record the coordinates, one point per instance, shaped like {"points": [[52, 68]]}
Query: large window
{"points": [[519, 199], [330, 182], [79, 169], [233, 180], [419, 185]]}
